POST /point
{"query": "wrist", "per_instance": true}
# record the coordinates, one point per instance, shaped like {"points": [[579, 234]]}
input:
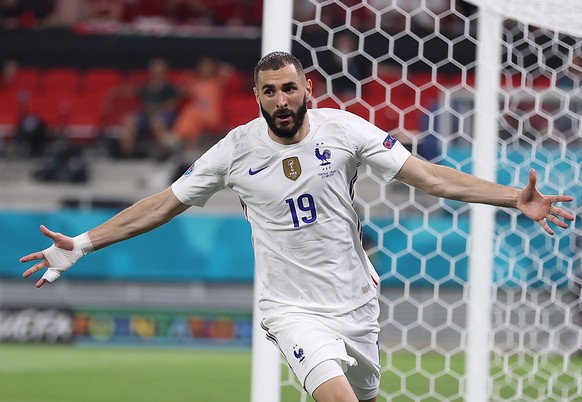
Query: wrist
{"points": [[83, 243]]}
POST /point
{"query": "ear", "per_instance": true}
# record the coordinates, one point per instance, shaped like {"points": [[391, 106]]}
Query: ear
{"points": [[256, 92], [308, 88]]}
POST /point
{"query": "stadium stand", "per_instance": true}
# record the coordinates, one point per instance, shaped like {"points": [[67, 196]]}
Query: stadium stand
{"points": [[77, 102]]}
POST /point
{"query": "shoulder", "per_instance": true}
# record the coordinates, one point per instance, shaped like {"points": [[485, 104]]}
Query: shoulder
{"points": [[341, 123], [324, 114], [243, 137], [248, 131], [336, 117]]}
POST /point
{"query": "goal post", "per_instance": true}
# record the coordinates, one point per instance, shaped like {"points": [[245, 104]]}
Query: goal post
{"points": [[482, 219], [477, 303], [266, 366]]}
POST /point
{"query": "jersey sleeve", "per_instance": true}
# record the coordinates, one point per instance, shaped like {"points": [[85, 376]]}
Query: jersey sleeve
{"points": [[205, 176], [374, 147]]}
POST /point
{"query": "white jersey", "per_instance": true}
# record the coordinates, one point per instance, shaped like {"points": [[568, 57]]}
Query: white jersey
{"points": [[298, 200]]}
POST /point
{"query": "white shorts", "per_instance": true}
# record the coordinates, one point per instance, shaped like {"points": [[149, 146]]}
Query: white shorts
{"points": [[306, 340]]}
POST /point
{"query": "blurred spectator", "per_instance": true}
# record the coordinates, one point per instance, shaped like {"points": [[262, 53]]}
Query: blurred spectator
{"points": [[422, 20], [31, 133], [103, 10], [27, 14], [191, 12], [201, 117], [31, 136], [238, 12], [149, 15], [145, 132], [66, 13], [348, 59], [9, 71], [569, 125]]}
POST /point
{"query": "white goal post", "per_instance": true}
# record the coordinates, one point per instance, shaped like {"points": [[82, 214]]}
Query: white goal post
{"points": [[477, 303]]}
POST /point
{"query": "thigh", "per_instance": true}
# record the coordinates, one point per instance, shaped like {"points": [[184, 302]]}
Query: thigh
{"points": [[365, 376]]}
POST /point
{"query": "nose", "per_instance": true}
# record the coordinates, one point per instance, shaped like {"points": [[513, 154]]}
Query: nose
{"points": [[281, 100]]}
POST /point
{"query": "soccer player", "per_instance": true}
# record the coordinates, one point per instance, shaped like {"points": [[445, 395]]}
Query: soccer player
{"points": [[294, 170]]}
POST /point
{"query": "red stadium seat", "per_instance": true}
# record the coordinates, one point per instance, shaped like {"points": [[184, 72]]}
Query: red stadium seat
{"points": [[240, 109], [84, 119], [136, 77], [403, 99], [374, 92], [25, 79], [61, 80], [115, 109], [360, 110], [387, 118], [9, 114], [328, 103], [101, 80], [50, 107], [177, 76]]}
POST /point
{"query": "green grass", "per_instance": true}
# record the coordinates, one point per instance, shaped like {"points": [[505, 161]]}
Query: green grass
{"points": [[42, 373], [70, 374]]}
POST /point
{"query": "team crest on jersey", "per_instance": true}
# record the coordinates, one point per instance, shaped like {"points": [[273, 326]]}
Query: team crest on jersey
{"points": [[292, 168], [190, 169], [389, 142], [323, 156]]}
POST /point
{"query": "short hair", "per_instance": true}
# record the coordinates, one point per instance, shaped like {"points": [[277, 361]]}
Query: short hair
{"points": [[275, 61]]}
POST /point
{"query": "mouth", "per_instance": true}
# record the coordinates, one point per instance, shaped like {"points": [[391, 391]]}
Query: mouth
{"points": [[284, 117]]}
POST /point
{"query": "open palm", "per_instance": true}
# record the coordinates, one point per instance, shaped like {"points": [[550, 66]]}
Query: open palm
{"points": [[59, 240], [541, 208]]}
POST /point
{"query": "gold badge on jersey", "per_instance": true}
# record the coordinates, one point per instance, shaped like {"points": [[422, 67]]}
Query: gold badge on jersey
{"points": [[292, 168]]}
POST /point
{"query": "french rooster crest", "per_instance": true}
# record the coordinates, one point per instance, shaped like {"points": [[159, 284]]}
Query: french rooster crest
{"points": [[323, 157]]}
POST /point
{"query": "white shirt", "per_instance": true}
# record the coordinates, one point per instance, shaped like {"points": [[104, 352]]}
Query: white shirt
{"points": [[298, 200]]}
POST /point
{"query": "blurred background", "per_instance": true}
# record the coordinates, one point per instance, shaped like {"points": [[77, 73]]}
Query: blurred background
{"points": [[104, 102], [97, 101]]}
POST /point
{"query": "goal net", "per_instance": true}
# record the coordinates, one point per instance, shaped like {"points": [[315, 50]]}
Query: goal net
{"points": [[410, 67]]}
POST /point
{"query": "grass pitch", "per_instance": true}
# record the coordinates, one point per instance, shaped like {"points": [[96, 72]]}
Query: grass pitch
{"points": [[46, 373], [71, 374]]}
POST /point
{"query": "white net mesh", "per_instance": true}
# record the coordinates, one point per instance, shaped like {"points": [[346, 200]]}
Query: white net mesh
{"points": [[556, 15], [409, 67]]}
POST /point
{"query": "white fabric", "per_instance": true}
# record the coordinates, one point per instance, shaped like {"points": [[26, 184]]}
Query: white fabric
{"points": [[306, 232], [557, 15], [306, 340], [60, 259], [323, 372]]}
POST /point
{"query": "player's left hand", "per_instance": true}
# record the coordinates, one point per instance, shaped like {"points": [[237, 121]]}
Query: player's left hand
{"points": [[541, 208]]}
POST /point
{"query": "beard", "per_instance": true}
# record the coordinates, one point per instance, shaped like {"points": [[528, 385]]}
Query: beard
{"points": [[287, 129]]}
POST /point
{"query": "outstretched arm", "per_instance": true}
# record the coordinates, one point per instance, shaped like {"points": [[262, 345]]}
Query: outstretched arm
{"points": [[446, 182], [141, 217]]}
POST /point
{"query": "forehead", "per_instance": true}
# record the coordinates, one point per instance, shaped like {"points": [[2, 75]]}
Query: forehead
{"points": [[281, 76]]}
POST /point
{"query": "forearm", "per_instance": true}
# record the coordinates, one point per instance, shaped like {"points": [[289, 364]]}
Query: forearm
{"points": [[456, 185], [143, 216], [445, 182]]}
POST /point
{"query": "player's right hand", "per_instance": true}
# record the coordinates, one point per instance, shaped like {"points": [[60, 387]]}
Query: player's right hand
{"points": [[59, 257]]}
